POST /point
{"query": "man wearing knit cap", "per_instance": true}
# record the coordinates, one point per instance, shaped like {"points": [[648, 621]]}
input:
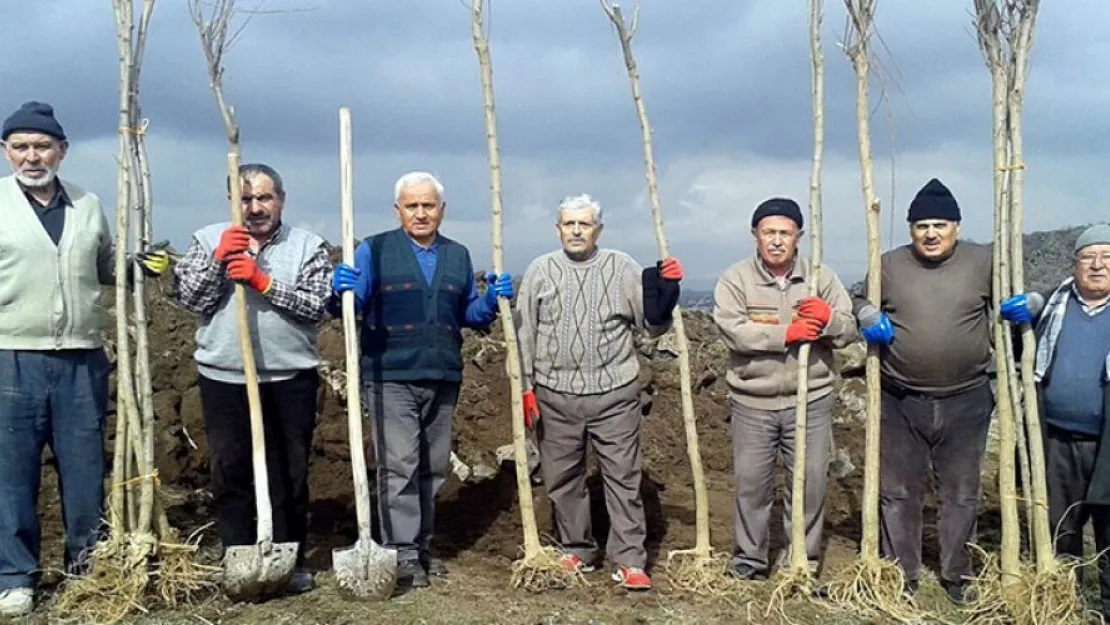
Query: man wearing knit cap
{"points": [[579, 311], [56, 254], [933, 326], [764, 313], [1071, 371]]}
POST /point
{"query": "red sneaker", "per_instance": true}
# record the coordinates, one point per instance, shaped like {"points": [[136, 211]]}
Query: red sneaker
{"points": [[572, 562], [632, 577]]}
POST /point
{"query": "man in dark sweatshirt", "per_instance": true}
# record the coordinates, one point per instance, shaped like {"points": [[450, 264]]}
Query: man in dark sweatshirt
{"points": [[1073, 341], [934, 328]]}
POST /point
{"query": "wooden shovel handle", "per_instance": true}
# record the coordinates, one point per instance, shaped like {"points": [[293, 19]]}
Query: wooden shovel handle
{"points": [[350, 331], [254, 400]]}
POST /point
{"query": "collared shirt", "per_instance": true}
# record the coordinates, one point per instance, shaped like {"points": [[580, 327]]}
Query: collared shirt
{"points": [[53, 214], [201, 281], [1091, 311]]}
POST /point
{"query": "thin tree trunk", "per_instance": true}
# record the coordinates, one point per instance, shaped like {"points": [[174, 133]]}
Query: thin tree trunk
{"points": [[520, 451], [625, 33], [1020, 43], [862, 13], [798, 555]]}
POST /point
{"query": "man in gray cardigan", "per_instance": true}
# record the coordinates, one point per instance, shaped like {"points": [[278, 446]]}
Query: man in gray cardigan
{"points": [[288, 275], [55, 255]]}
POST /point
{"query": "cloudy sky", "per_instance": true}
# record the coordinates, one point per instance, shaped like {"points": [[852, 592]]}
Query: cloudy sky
{"points": [[726, 85]]}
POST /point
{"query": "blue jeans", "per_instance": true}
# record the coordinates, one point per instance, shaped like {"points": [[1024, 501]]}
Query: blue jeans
{"points": [[59, 398]]}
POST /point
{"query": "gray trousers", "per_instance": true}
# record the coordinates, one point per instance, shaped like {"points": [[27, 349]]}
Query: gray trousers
{"points": [[759, 439], [611, 422], [1069, 464], [412, 443], [945, 437]]}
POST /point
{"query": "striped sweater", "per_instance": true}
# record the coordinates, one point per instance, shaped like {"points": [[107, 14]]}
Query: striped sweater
{"points": [[576, 322]]}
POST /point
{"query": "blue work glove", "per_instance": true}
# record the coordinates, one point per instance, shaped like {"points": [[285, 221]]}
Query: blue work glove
{"points": [[499, 286], [1016, 309], [345, 278], [875, 327]]}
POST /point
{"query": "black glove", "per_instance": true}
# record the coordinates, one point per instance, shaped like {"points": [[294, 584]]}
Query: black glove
{"points": [[660, 296]]}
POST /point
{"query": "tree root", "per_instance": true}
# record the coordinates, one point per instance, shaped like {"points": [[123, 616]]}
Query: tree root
{"points": [[789, 583], [114, 585], [180, 577], [543, 570], [1034, 598], [703, 574], [873, 587]]}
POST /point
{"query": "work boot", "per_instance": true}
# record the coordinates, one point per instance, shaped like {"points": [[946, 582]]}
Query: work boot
{"points": [[433, 566], [411, 574], [17, 601], [301, 581]]}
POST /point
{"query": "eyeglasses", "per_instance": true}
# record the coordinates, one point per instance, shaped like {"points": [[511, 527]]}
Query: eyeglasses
{"points": [[1089, 259]]}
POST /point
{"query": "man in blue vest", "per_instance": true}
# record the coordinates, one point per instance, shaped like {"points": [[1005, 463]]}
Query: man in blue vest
{"points": [[415, 291], [56, 254], [1073, 341]]}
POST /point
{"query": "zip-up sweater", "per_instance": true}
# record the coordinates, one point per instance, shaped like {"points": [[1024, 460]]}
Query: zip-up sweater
{"points": [[752, 310], [50, 296]]}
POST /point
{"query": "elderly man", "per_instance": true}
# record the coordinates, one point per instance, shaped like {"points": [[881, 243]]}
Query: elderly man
{"points": [[934, 326], [415, 290], [55, 255], [287, 274], [578, 311], [764, 313], [1073, 336]]}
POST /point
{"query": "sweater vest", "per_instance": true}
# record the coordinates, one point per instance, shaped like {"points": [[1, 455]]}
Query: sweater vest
{"points": [[411, 330]]}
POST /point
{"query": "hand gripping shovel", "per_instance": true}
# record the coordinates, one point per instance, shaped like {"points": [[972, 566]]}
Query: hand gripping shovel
{"points": [[254, 571], [367, 570]]}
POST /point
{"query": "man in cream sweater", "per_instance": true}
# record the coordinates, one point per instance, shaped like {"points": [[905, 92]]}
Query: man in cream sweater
{"points": [[765, 315], [55, 255], [577, 312]]}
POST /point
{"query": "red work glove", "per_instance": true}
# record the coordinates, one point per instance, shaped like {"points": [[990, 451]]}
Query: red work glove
{"points": [[243, 268], [803, 330], [670, 269], [531, 410], [816, 309], [234, 240]]}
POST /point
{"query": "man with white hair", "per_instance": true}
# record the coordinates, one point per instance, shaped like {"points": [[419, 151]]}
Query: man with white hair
{"points": [[415, 291], [56, 253], [577, 313], [1073, 342]]}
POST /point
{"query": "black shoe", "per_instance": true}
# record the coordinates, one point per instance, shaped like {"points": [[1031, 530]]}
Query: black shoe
{"points": [[410, 574], [434, 566], [958, 592], [747, 572], [910, 589]]}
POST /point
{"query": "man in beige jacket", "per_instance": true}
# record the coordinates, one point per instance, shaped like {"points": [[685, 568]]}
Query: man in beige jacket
{"points": [[764, 314]]}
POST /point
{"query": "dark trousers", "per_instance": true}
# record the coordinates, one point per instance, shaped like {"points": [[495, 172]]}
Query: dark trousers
{"points": [[944, 437], [412, 447], [289, 417], [610, 422], [1069, 463], [56, 398]]}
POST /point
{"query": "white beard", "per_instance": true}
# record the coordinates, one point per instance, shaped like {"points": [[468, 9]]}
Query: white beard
{"points": [[44, 181]]}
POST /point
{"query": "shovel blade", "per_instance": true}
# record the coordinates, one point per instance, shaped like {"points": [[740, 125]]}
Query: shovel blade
{"points": [[255, 572], [366, 570]]}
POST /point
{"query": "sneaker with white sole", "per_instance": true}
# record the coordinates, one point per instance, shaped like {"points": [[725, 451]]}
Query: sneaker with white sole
{"points": [[572, 562], [17, 601], [632, 577]]}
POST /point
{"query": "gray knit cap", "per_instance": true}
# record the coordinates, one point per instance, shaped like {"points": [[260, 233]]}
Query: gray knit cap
{"points": [[1098, 234]]}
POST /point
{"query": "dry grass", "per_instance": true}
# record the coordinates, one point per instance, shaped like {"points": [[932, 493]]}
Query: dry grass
{"points": [[1034, 598], [544, 571], [873, 587], [708, 576]]}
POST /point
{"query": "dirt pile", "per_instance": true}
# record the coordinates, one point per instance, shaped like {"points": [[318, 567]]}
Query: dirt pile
{"points": [[479, 514]]}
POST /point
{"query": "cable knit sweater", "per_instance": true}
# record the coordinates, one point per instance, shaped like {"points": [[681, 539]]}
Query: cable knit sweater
{"points": [[575, 322]]}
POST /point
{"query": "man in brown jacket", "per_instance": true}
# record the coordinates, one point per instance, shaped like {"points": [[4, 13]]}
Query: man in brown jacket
{"points": [[764, 314]]}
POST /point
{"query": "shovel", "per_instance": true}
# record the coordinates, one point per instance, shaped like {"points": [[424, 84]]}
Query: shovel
{"points": [[367, 570], [263, 569]]}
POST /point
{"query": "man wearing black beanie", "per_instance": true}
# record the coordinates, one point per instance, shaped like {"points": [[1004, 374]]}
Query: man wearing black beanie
{"points": [[58, 253], [933, 327]]}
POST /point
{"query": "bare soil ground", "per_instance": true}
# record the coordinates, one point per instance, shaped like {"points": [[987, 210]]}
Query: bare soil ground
{"points": [[478, 521]]}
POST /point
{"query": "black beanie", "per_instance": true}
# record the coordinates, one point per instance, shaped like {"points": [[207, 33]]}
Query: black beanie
{"points": [[778, 207], [33, 117], [934, 201]]}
